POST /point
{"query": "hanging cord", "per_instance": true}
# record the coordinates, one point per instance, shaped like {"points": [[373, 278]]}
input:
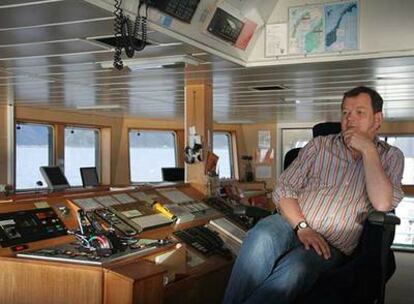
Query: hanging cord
{"points": [[118, 64], [140, 23], [126, 32]]}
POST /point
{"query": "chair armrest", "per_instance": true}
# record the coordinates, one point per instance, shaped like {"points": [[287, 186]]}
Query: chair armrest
{"points": [[383, 218], [251, 211]]}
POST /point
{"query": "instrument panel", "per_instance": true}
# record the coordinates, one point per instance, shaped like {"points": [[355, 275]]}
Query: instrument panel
{"points": [[29, 226]]}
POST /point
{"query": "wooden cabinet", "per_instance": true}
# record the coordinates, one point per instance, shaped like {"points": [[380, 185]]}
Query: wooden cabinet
{"points": [[140, 282], [33, 282]]}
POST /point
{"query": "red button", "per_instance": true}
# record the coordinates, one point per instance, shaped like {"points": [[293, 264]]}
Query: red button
{"points": [[19, 247]]}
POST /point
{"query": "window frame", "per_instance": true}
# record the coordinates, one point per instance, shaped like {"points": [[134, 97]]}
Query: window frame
{"points": [[409, 187], [98, 145], [138, 130], [52, 148], [279, 138], [408, 190], [402, 246], [230, 137]]}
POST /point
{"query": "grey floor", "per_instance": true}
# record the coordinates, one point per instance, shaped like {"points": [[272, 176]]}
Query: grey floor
{"points": [[400, 289]]}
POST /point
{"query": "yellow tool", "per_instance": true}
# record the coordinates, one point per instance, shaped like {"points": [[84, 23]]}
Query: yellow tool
{"points": [[164, 210]]}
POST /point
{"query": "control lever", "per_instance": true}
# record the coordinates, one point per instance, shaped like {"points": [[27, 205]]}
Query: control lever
{"points": [[97, 227], [83, 227]]}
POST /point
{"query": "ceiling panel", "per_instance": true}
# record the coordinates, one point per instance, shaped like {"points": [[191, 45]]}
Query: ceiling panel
{"points": [[57, 32], [73, 60], [48, 49], [49, 60], [49, 13], [5, 3]]}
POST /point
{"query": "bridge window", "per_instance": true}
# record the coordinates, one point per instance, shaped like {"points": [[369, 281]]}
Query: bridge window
{"points": [[149, 151], [81, 150], [404, 234], [34, 148], [222, 147], [406, 145], [293, 138]]}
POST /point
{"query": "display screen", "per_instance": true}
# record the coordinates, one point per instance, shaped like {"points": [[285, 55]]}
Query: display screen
{"points": [[89, 177], [54, 177], [172, 174], [225, 26]]}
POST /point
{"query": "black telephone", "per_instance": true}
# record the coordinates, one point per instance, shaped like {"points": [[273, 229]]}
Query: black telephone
{"points": [[227, 206], [202, 239], [180, 9]]}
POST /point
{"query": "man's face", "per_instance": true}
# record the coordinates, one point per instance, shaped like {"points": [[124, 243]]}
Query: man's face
{"points": [[357, 113]]}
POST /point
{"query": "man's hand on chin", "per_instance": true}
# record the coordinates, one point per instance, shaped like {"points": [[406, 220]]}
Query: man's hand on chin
{"points": [[359, 142]]}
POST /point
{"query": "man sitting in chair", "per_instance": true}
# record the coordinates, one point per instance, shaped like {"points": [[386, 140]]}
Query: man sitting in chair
{"points": [[323, 198]]}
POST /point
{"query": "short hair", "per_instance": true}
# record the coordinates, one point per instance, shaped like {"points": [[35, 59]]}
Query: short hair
{"points": [[376, 99]]}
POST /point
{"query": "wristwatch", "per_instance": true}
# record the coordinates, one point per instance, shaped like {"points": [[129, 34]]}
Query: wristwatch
{"points": [[301, 225]]}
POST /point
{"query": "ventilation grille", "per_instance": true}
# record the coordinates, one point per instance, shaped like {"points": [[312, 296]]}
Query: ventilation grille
{"points": [[111, 41], [269, 88]]}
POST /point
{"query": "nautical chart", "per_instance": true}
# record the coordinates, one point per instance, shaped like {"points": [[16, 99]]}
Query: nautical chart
{"points": [[341, 26], [306, 29]]}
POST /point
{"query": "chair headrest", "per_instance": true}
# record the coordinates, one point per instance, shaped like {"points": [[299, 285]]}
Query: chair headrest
{"points": [[290, 157], [326, 128]]}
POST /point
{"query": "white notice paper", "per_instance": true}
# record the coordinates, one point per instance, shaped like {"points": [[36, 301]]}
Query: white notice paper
{"points": [[264, 139], [276, 39]]}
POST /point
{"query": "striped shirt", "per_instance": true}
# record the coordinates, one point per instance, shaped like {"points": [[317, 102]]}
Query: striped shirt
{"points": [[330, 187]]}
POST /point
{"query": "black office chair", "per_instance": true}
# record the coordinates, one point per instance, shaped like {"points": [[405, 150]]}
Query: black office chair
{"points": [[290, 156], [326, 128], [362, 279]]}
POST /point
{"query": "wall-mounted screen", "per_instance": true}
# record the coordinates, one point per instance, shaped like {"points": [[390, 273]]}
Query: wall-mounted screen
{"points": [[225, 26]]}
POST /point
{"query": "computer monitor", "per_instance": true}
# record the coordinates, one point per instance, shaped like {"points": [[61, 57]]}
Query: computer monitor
{"points": [[54, 177], [172, 174], [89, 177]]}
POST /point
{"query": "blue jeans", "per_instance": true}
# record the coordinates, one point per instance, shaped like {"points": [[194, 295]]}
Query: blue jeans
{"points": [[274, 267]]}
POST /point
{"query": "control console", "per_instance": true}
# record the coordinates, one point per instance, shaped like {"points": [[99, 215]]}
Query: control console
{"points": [[26, 226]]}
